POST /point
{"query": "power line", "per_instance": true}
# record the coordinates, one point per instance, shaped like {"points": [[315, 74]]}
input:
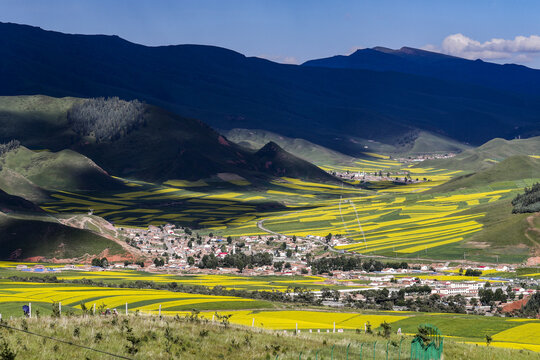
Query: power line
{"points": [[66, 342]]}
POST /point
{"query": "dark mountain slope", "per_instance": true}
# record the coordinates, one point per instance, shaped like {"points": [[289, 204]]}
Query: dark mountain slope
{"points": [[508, 77], [165, 146], [279, 162], [331, 107], [24, 238], [9, 203], [255, 139]]}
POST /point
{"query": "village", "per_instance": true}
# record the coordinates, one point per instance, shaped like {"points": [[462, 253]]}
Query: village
{"points": [[172, 250]]}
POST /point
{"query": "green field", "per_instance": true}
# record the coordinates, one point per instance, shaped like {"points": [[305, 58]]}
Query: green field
{"points": [[459, 330], [378, 218]]}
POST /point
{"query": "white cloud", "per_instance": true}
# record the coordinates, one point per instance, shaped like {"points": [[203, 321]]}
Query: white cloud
{"points": [[520, 49], [281, 59]]}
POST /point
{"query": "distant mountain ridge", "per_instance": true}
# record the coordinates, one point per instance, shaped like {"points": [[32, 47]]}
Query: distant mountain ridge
{"points": [[508, 77], [331, 107]]}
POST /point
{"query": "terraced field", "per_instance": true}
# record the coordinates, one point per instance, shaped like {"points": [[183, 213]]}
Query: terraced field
{"points": [[15, 294], [383, 218]]}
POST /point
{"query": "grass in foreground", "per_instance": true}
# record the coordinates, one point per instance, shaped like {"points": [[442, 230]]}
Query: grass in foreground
{"points": [[142, 337]]}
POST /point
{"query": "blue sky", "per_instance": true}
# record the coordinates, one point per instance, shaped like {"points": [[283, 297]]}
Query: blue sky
{"points": [[298, 30]]}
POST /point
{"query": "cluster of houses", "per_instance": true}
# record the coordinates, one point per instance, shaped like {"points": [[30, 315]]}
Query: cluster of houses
{"points": [[184, 250]]}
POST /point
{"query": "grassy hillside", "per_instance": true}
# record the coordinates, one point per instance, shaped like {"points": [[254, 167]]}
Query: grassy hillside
{"points": [[420, 143], [427, 142], [64, 170], [512, 168], [43, 119], [34, 236], [505, 235], [488, 154]]}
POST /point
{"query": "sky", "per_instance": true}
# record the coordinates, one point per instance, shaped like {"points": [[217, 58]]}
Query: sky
{"points": [[293, 31]]}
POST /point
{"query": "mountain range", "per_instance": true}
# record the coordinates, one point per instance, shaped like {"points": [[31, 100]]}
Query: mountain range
{"points": [[339, 106], [507, 77]]}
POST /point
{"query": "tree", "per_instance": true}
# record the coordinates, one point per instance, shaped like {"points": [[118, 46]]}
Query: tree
{"points": [[289, 253], [499, 295], [328, 237], [159, 262], [488, 340], [229, 240], [510, 293], [96, 262], [528, 201], [190, 261], [387, 329], [278, 265]]}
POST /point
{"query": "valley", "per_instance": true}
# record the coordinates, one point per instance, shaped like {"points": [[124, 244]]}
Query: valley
{"points": [[188, 201]]}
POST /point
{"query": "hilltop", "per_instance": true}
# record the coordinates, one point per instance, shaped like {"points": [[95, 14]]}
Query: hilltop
{"points": [[488, 154], [416, 142], [328, 106], [280, 163]]}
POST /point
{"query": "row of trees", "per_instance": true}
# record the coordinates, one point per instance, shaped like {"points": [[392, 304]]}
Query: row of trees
{"points": [[527, 202], [238, 260], [349, 263], [106, 119], [424, 302]]}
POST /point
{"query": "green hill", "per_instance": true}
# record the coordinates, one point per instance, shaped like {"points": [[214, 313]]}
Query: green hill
{"points": [[426, 142], [25, 237], [64, 170], [512, 168], [486, 155], [419, 142]]}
